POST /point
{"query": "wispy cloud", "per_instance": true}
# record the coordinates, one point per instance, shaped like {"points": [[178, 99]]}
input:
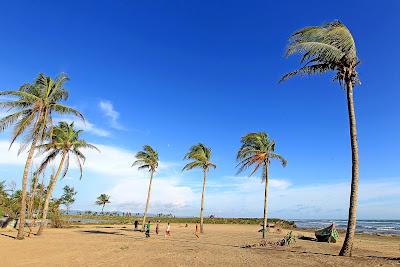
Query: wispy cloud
{"points": [[112, 115]]}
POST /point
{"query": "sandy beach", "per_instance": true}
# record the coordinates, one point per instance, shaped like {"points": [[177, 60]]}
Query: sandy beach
{"points": [[221, 245]]}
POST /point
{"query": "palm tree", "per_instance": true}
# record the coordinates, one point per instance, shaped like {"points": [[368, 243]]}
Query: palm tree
{"points": [[147, 159], [64, 141], [258, 150], [331, 47], [102, 200], [200, 157], [34, 105]]}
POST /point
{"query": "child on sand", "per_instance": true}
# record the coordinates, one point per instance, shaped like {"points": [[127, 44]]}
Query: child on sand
{"points": [[196, 231], [168, 231], [148, 230], [157, 227]]}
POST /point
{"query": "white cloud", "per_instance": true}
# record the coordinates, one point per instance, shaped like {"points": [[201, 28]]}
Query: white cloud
{"points": [[91, 128], [128, 185], [10, 156], [245, 182], [109, 111], [226, 196], [167, 195], [328, 200]]}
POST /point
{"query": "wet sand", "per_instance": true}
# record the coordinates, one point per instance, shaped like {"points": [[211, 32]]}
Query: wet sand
{"points": [[221, 245]]}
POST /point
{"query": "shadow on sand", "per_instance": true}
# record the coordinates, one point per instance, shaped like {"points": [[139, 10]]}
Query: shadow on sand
{"points": [[6, 235], [98, 232]]}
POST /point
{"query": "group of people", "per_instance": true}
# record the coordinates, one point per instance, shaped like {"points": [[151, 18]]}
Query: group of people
{"points": [[148, 225], [167, 230]]}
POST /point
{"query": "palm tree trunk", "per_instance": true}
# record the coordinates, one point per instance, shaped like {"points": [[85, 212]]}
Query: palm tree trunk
{"points": [[22, 211], [202, 203], [148, 200], [40, 208], [265, 202], [51, 187], [351, 224], [28, 163], [102, 208], [32, 195]]}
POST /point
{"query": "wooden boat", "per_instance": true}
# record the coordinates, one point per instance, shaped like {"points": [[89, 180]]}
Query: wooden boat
{"points": [[328, 234]]}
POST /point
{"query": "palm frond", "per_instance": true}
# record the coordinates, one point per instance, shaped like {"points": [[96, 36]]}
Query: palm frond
{"points": [[23, 94], [8, 120], [62, 109], [308, 70], [49, 158], [191, 165]]}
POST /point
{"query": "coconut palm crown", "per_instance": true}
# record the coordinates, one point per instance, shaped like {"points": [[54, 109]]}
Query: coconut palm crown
{"points": [[102, 200], [257, 150], [34, 105], [329, 47], [146, 159], [64, 141], [200, 157]]}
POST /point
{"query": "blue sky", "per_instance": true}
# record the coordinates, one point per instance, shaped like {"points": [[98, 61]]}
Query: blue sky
{"points": [[174, 73]]}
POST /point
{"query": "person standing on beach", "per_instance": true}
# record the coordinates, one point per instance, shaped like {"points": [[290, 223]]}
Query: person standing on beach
{"points": [[168, 231], [157, 227], [196, 231], [148, 230]]}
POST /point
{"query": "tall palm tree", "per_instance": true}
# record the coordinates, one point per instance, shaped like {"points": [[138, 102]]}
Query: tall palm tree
{"points": [[200, 157], [331, 47], [258, 150], [64, 141], [102, 200], [33, 104], [147, 159]]}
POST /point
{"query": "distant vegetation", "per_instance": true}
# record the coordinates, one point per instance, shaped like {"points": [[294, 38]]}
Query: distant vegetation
{"points": [[120, 219]]}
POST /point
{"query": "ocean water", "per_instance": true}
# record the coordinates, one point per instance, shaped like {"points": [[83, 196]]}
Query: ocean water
{"points": [[391, 227]]}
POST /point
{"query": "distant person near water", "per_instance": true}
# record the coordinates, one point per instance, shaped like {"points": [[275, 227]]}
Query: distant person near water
{"points": [[148, 230], [168, 231]]}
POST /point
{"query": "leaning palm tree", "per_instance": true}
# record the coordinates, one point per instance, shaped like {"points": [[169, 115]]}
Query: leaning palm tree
{"points": [[102, 200], [258, 150], [200, 157], [147, 159], [33, 105], [331, 47], [64, 142]]}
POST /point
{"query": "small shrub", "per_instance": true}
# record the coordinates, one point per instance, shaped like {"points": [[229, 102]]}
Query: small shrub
{"points": [[288, 240]]}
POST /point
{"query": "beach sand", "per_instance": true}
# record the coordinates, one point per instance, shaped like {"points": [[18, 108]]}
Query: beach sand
{"points": [[118, 245]]}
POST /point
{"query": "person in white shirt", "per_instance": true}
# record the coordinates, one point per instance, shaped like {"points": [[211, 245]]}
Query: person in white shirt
{"points": [[168, 231]]}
